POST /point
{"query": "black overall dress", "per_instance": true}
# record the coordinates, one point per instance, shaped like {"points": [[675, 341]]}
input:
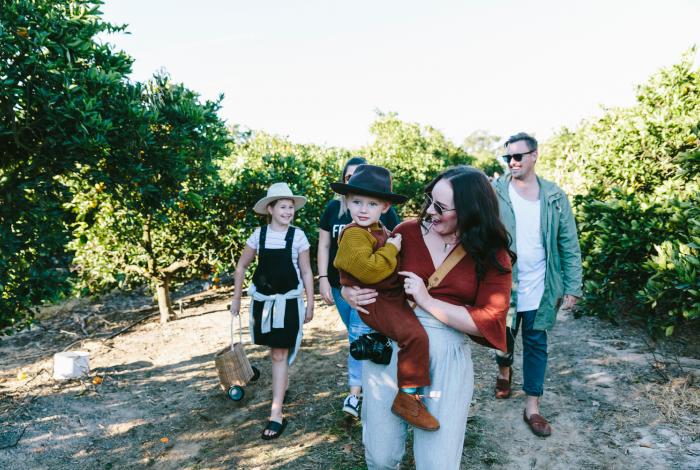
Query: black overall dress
{"points": [[276, 274]]}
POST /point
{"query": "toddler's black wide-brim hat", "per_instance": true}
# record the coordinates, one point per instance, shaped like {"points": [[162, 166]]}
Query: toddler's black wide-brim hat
{"points": [[370, 180]]}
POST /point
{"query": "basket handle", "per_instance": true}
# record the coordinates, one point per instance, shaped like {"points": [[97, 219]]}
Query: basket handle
{"points": [[240, 329]]}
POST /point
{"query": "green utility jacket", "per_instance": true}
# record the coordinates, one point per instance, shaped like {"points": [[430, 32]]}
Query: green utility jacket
{"points": [[558, 226]]}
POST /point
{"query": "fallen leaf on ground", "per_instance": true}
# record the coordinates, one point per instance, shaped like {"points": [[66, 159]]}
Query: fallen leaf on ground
{"points": [[164, 440]]}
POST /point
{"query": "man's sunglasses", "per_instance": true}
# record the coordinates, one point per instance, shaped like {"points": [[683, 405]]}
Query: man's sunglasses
{"points": [[516, 156], [438, 208]]}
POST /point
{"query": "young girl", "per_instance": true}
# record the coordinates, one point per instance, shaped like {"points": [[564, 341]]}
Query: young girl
{"points": [[277, 308]]}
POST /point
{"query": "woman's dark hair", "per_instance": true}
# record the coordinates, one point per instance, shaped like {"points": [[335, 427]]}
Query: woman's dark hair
{"points": [[352, 162], [481, 232]]}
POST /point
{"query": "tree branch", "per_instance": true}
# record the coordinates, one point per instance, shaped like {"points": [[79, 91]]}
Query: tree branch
{"points": [[175, 267]]}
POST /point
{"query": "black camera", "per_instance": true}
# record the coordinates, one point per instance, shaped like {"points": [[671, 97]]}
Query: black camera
{"points": [[373, 346]]}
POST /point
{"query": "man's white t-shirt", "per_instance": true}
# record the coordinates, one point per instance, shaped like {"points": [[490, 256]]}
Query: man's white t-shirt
{"points": [[532, 259], [275, 240]]}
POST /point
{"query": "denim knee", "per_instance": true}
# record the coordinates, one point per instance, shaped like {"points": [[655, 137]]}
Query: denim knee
{"points": [[342, 306], [535, 356], [356, 328]]}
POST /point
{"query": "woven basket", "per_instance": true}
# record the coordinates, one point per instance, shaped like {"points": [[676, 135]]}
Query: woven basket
{"points": [[233, 366], [231, 362]]}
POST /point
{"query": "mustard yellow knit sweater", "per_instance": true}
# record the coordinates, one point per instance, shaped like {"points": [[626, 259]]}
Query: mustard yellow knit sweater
{"points": [[357, 256]]}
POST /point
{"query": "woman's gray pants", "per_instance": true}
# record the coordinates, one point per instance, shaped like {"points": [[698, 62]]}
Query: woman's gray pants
{"points": [[448, 399]]}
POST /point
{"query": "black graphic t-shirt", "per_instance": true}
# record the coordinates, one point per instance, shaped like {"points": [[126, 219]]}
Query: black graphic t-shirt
{"points": [[331, 223]]}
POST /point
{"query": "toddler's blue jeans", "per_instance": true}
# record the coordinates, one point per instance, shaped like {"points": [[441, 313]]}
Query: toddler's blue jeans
{"points": [[356, 328]]}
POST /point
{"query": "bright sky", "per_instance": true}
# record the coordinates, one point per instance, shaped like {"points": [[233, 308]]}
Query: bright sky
{"points": [[316, 70]]}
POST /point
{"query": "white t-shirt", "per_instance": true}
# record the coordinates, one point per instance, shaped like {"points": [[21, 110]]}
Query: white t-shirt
{"points": [[275, 240], [532, 259]]}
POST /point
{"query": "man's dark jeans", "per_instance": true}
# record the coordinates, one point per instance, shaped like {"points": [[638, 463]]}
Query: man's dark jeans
{"points": [[534, 352]]}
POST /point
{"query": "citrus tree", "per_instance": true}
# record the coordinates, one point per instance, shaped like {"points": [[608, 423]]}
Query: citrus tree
{"points": [[59, 94], [151, 217], [634, 174], [415, 154], [259, 159], [486, 149]]}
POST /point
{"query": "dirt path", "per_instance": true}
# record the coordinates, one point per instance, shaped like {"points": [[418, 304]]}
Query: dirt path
{"points": [[605, 397]]}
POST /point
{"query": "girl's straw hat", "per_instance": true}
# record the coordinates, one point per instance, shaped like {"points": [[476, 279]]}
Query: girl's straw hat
{"points": [[275, 192]]}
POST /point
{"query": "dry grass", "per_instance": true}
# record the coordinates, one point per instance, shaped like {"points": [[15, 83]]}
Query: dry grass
{"points": [[678, 400]]}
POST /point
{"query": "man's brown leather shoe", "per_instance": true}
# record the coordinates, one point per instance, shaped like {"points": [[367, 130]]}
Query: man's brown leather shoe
{"points": [[538, 425], [503, 385], [413, 411]]}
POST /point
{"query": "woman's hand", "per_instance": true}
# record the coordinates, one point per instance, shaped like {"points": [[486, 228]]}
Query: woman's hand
{"points": [[309, 312], [414, 286], [324, 287], [235, 307], [356, 296]]}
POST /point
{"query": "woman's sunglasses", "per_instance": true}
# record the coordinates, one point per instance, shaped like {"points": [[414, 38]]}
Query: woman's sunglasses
{"points": [[438, 208], [516, 156]]}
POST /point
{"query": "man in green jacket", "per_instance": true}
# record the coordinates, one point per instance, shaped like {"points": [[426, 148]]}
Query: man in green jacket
{"points": [[546, 275]]}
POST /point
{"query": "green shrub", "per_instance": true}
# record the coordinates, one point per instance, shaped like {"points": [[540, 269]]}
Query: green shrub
{"points": [[415, 154], [634, 176], [259, 160]]}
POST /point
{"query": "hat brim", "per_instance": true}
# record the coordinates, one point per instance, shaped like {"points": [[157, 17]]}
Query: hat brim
{"points": [[260, 207], [343, 188]]}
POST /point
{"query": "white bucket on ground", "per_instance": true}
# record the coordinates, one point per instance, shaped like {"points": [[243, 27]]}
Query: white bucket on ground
{"points": [[71, 365]]}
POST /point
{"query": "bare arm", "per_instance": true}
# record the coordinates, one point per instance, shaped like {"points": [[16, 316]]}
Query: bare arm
{"points": [[455, 316], [307, 277], [322, 258], [244, 261]]}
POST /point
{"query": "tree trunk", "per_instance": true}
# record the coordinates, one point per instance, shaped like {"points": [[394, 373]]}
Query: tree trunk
{"points": [[161, 282], [164, 305]]}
